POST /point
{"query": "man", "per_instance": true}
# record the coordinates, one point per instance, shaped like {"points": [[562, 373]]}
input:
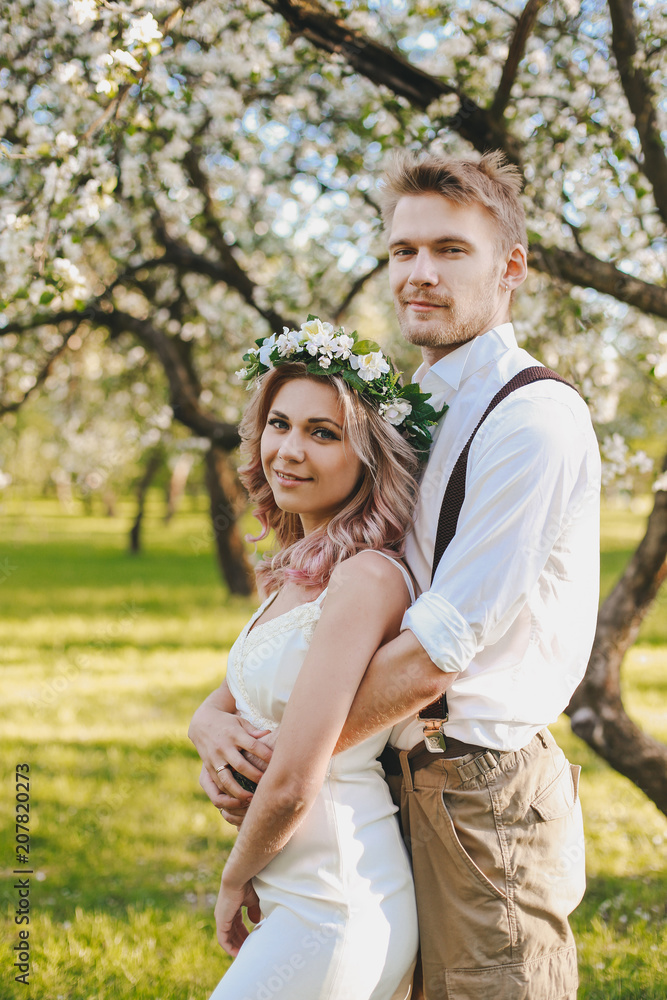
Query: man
{"points": [[489, 808]]}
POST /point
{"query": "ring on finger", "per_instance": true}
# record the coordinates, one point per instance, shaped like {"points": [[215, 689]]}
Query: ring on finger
{"points": [[221, 768]]}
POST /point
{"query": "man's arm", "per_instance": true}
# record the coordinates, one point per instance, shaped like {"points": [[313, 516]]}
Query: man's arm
{"points": [[526, 475], [400, 680]]}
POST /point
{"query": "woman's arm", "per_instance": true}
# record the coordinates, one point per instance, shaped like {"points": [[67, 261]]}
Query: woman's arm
{"points": [[364, 607]]}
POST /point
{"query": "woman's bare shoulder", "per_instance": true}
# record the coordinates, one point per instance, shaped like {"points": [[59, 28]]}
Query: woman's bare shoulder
{"points": [[369, 569]]}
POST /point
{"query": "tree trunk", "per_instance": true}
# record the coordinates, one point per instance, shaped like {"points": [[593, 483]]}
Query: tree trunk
{"points": [[225, 500], [153, 464], [596, 711], [109, 501], [63, 484], [177, 483]]}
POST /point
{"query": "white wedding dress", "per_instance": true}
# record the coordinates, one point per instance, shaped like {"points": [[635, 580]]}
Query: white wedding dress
{"points": [[339, 918]]}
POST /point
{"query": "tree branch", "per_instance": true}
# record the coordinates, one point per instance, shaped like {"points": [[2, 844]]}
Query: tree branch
{"points": [[226, 270], [357, 286], [640, 97], [516, 52], [577, 267], [46, 369], [476, 124], [596, 710], [183, 394], [113, 108], [388, 69]]}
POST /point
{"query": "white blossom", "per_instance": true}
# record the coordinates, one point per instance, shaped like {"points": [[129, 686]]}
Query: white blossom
{"points": [[318, 337], [324, 362], [142, 30], [242, 374], [67, 72], [369, 366], [342, 346], [126, 59], [642, 462], [660, 483], [615, 449], [287, 344], [83, 11], [265, 350], [395, 411], [107, 87], [65, 141]]}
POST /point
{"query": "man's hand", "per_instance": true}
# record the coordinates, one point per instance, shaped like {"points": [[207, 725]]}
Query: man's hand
{"points": [[268, 741]]}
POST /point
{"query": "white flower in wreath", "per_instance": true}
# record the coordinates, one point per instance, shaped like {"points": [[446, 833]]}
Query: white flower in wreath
{"points": [[317, 337], [320, 343], [287, 343], [265, 350], [342, 347], [314, 326], [370, 366], [395, 411], [324, 362], [242, 374]]}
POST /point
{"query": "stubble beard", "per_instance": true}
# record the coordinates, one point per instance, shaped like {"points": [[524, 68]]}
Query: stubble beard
{"points": [[452, 324], [449, 328]]}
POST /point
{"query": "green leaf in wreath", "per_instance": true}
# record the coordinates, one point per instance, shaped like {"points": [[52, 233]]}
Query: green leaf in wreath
{"points": [[365, 347], [353, 379]]}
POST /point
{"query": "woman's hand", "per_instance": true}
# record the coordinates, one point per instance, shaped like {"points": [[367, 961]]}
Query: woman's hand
{"points": [[220, 738], [230, 808], [230, 929]]}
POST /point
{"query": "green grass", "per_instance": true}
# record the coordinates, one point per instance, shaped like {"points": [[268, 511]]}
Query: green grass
{"points": [[105, 658]]}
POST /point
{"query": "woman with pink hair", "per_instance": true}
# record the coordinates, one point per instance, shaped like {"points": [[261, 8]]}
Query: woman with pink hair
{"points": [[331, 442]]}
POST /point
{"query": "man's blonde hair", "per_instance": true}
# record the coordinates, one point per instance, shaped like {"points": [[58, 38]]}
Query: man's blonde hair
{"points": [[491, 182]]}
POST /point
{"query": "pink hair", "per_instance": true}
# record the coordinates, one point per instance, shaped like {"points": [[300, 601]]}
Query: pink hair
{"points": [[378, 515]]}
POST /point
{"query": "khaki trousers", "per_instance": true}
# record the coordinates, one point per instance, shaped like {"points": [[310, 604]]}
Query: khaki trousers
{"points": [[497, 848]]}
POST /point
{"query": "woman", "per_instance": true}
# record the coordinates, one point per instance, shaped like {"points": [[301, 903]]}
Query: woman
{"points": [[319, 852]]}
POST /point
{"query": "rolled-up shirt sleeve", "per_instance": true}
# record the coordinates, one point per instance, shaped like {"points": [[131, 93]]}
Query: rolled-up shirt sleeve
{"points": [[442, 631], [527, 475]]}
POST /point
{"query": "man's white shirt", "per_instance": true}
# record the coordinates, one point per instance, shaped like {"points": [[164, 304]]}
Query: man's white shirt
{"points": [[513, 604]]}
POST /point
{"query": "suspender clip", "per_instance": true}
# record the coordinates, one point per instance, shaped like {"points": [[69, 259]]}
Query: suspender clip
{"points": [[434, 738]]}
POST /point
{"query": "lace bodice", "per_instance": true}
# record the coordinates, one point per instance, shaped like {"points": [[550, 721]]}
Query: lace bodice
{"points": [[265, 660]]}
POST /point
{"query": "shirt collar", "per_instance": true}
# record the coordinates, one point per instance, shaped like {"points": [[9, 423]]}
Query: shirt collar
{"points": [[449, 372]]}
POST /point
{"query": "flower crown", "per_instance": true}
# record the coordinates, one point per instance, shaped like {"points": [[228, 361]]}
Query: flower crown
{"points": [[326, 351]]}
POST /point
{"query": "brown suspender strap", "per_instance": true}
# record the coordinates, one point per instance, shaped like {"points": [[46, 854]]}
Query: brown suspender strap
{"points": [[456, 490]]}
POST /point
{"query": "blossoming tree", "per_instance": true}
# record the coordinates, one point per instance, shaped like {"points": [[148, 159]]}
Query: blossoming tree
{"points": [[182, 177]]}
